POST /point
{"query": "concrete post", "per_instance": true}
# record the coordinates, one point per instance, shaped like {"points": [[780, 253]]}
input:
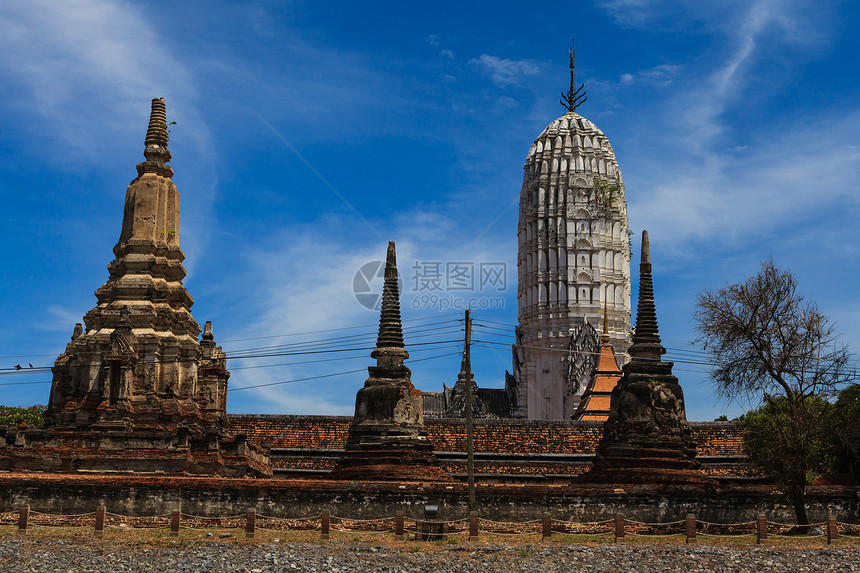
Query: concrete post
{"points": [[174, 523], [100, 521], [250, 523], [398, 525], [546, 534], [619, 526], [24, 519], [473, 526], [691, 528], [761, 528], [326, 524], [832, 529]]}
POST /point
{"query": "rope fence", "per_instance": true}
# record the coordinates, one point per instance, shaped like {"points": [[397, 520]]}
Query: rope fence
{"points": [[471, 527]]}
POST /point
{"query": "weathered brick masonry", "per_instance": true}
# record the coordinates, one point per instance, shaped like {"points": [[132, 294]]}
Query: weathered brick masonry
{"points": [[158, 496], [497, 436], [311, 444]]}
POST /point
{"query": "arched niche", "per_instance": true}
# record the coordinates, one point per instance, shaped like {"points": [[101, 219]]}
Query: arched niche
{"points": [[542, 260]]}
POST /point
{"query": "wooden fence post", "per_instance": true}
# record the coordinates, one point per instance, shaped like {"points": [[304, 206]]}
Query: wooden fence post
{"points": [[691, 528], [174, 523], [473, 526], [326, 524], [832, 529], [761, 528], [250, 523], [24, 519], [619, 526], [100, 521], [546, 533], [398, 525]]}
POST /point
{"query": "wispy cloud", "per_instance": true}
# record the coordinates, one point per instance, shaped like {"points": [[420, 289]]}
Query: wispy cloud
{"points": [[748, 196], [662, 75], [505, 72], [86, 63], [718, 183], [305, 276]]}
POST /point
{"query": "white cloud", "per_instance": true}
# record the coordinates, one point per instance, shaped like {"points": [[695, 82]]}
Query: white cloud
{"points": [[60, 319], [770, 186], [85, 66], [304, 281], [504, 72], [662, 75]]}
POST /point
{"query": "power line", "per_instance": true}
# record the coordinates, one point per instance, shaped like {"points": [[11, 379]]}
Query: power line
{"points": [[329, 330], [356, 357], [330, 375]]}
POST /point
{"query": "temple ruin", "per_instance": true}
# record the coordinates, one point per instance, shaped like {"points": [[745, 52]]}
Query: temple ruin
{"points": [[387, 438], [646, 438], [136, 390]]}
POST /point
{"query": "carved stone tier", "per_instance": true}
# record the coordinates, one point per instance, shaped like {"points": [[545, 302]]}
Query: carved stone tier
{"points": [[387, 438], [646, 438], [141, 452]]}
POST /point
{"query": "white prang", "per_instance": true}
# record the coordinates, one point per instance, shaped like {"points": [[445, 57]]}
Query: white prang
{"points": [[574, 258]]}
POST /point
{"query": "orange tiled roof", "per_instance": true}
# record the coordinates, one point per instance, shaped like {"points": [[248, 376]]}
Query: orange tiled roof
{"points": [[596, 398]]}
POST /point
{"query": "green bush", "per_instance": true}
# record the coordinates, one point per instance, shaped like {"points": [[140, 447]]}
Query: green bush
{"points": [[33, 416]]}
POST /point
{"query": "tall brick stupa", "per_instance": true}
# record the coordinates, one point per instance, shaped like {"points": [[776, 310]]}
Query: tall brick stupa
{"points": [[387, 438], [136, 390], [646, 439]]}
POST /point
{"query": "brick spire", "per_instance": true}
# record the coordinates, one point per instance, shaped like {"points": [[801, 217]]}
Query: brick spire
{"points": [[646, 337], [147, 273], [389, 343], [156, 151]]}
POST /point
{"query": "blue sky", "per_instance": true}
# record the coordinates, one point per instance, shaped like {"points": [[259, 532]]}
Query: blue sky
{"points": [[310, 134]]}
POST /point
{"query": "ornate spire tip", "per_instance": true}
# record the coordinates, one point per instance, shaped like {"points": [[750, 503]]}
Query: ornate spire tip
{"points": [[575, 96]]}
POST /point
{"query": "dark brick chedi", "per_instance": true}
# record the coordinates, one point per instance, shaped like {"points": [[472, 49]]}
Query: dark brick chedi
{"points": [[387, 439], [136, 391], [646, 438]]}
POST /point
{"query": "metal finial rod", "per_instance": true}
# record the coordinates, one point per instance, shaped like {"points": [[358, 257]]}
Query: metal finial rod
{"points": [[605, 338], [575, 96]]}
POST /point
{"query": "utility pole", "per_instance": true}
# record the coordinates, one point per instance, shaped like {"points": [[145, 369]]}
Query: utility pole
{"points": [[470, 447]]}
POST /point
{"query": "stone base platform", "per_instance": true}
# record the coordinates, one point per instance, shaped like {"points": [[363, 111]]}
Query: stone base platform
{"points": [[389, 465], [153, 494], [119, 452], [638, 465]]}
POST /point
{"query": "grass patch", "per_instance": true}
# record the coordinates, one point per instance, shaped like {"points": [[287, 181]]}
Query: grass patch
{"points": [[150, 537]]}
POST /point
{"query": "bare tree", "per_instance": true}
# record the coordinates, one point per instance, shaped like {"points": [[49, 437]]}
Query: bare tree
{"points": [[771, 346]]}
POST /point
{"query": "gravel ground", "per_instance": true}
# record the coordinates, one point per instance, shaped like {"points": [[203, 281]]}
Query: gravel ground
{"points": [[24, 555]]}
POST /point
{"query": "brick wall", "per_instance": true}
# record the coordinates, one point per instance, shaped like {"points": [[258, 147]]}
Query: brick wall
{"points": [[498, 436]]}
